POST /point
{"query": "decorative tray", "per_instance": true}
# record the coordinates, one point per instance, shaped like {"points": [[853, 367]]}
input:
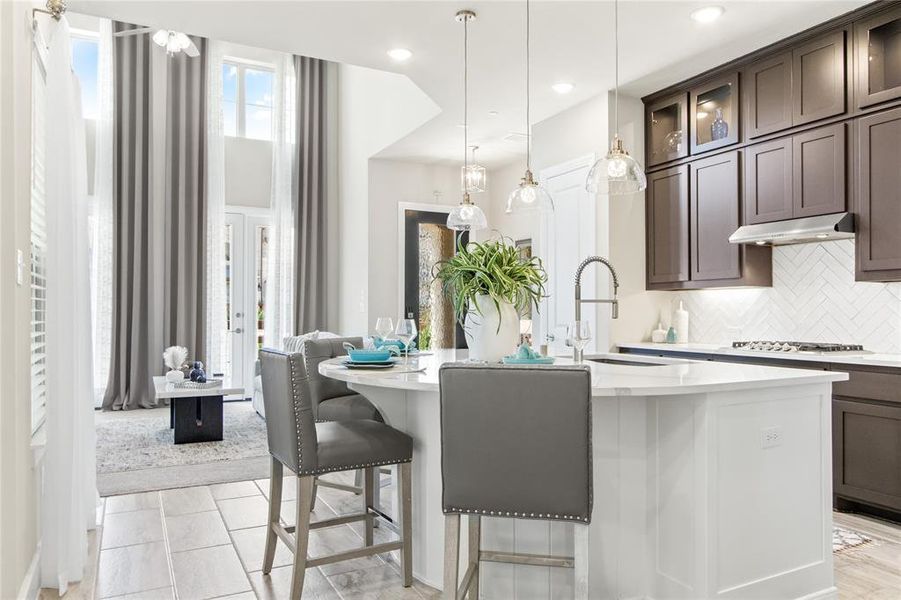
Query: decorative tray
{"points": [[193, 385]]}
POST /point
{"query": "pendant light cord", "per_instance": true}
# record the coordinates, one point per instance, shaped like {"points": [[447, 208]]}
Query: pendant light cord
{"points": [[528, 90], [465, 93], [616, 68]]}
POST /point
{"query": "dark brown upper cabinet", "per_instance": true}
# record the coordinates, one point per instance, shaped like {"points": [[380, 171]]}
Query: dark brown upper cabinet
{"points": [[818, 78], [667, 225], [878, 42], [714, 217], [667, 129], [714, 114], [879, 197], [767, 87], [768, 182], [819, 171]]}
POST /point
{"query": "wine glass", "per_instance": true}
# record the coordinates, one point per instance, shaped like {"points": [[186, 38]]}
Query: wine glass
{"points": [[405, 332], [579, 335], [384, 326]]}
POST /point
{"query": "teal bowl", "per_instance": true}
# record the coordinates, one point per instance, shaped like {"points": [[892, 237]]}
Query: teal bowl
{"points": [[369, 355]]}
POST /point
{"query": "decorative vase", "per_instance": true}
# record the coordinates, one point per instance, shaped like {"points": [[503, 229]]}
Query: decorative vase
{"points": [[174, 376], [719, 129], [485, 339]]}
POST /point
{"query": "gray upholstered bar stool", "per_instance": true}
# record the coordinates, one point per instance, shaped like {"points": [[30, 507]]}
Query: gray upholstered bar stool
{"points": [[515, 443], [309, 448], [334, 401]]}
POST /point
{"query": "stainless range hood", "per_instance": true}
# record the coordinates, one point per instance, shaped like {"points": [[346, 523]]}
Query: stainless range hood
{"points": [[837, 226]]}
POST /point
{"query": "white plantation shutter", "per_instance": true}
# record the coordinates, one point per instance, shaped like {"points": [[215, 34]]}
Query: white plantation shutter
{"points": [[38, 248]]}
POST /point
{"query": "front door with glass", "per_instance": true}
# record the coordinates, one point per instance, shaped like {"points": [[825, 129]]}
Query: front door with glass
{"points": [[246, 245]]}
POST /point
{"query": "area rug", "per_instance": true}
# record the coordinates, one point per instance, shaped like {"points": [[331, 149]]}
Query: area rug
{"points": [[842, 539], [136, 453]]}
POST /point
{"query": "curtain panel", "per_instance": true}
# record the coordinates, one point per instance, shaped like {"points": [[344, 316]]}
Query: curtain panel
{"points": [[159, 213], [310, 195]]}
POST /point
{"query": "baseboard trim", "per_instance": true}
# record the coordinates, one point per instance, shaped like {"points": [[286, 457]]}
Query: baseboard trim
{"points": [[830, 592], [32, 580]]}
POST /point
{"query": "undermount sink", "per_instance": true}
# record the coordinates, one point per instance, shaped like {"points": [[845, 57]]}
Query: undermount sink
{"points": [[626, 362]]}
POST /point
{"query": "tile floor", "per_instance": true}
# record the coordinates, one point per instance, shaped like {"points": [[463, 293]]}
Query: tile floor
{"points": [[207, 542]]}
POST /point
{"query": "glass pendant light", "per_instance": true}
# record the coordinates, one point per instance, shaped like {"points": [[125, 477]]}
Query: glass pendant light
{"points": [[529, 195], [617, 174], [467, 216], [474, 177]]}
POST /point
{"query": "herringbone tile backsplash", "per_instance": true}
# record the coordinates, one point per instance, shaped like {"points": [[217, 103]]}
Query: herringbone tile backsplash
{"points": [[814, 298]]}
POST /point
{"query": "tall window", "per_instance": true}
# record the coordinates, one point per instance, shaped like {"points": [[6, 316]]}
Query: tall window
{"points": [[86, 64], [247, 100]]}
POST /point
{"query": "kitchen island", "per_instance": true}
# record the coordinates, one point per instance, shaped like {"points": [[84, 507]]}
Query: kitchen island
{"points": [[710, 481]]}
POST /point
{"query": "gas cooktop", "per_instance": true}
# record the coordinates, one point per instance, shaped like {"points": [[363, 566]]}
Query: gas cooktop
{"points": [[813, 347]]}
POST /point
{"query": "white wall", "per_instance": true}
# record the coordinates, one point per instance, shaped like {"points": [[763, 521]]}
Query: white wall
{"points": [[248, 172], [375, 109], [18, 493]]}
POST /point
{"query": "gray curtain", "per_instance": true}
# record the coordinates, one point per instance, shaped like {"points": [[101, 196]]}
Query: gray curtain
{"points": [[310, 194], [186, 213], [159, 215]]}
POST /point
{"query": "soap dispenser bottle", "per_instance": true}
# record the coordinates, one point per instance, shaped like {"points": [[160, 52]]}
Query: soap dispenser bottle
{"points": [[680, 322]]}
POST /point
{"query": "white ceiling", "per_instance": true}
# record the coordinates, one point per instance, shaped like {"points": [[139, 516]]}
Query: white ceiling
{"points": [[571, 41]]}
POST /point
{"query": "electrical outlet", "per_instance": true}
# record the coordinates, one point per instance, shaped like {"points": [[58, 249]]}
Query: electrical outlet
{"points": [[770, 437]]}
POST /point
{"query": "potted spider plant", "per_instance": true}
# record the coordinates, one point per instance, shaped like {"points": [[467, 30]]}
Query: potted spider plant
{"points": [[490, 285]]}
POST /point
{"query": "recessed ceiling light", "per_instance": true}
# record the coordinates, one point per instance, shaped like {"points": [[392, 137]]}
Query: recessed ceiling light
{"points": [[562, 87], [708, 14], [400, 54]]}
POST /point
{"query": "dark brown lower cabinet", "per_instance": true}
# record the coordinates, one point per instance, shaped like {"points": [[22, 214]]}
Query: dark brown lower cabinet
{"points": [[867, 452], [879, 197]]}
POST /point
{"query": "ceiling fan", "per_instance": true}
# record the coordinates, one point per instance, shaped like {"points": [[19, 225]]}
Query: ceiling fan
{"points": [[173, 41]]}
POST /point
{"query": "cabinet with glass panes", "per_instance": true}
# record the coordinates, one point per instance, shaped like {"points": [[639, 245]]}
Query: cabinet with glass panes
{"points": [[667, 127], [879, 58], [714, 114]]}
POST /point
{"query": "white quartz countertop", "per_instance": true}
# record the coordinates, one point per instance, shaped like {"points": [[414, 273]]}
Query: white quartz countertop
{"points": [[844, 358], [665, 376]]}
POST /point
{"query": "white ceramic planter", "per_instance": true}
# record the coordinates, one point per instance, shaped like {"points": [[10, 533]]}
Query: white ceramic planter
{"points": [[487, 342]]}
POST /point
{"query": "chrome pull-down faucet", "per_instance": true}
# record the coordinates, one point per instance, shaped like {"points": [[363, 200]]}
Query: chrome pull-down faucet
{"points": [[613, 302]]}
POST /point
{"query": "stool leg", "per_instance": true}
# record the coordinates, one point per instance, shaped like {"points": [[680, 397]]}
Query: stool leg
{"points": [[580, 556], [475, 545], [451, 556], [315, 489], [275, 509], [368, 497], [358, 480], [405, 481], [302, 534]]}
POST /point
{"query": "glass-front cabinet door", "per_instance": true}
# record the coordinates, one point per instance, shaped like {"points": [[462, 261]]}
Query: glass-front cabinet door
{"points": [[714, 114], [879, 58], [667, 121]]}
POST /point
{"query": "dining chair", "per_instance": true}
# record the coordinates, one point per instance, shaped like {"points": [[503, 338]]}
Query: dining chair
{"points": [[515, 443], [309, 448]]}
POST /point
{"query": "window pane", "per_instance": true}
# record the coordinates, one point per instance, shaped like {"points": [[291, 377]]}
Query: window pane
{"points": [[230, 118], [258, 123], [258, 87], [229, 82], [85, 65]]}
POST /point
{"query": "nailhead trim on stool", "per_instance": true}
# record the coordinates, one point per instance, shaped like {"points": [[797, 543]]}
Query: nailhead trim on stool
{"points": [[510, 513]]}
